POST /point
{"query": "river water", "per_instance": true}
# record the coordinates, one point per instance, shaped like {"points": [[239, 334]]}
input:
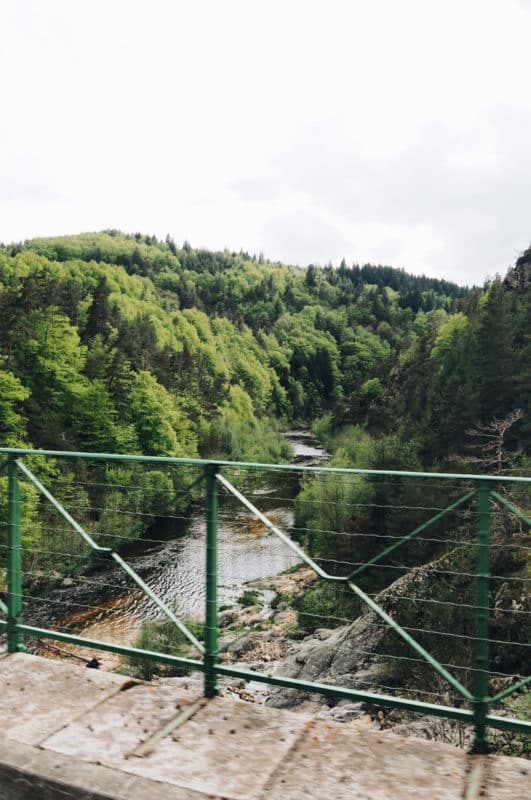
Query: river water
{"points": [[171, 561]]}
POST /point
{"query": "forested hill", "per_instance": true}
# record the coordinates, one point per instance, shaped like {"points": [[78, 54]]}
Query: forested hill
{"points": [[112, 342], [121, 343]]}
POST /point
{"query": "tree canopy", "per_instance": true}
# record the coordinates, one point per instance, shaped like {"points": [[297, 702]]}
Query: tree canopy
{"points": [[115, 342]]}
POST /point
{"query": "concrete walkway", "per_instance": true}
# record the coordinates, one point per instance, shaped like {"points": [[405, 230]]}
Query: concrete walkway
{"points": [[71, 732]]}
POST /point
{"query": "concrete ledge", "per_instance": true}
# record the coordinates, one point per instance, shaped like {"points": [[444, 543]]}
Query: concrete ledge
{"points": [[27, 773], [73, 734], [40, 695]]}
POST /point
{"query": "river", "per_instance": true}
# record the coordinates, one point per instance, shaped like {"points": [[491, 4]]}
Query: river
{"points": [[171, 560]]}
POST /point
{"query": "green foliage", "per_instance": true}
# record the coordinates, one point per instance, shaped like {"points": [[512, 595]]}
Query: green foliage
{"points": [[324, 427], [12, 395], [363, 354], [371, 390], [29, 506], [324, 605], [125, 343], [249, 598], [465, 370], [238, 434], [89, 316], [345, 518], [447, 334], [95, 422], [166, 638], [519, 706], [162, 427]]}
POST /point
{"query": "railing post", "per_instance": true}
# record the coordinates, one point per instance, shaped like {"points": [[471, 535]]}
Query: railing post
{"points": [[211, 613], [15, 642], [481, 655]]}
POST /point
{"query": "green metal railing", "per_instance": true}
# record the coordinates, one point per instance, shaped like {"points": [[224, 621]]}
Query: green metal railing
{"points": [[484, 489]]}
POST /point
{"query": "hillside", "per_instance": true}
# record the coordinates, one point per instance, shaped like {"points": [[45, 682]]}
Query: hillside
{"points": [[92, 322], [120, 343]]}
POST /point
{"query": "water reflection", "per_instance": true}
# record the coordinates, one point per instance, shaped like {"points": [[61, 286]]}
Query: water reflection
{"points": [[175, 568]]}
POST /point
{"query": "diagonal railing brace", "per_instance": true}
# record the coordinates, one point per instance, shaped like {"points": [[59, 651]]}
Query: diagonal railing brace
{"points": [[513, 509], [411, 535], [129, 570], [57, 505], [361, 594], [281, 535], [411, 641]]}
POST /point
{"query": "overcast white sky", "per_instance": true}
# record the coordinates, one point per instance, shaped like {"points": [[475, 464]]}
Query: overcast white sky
{"points": [[375, 130]]}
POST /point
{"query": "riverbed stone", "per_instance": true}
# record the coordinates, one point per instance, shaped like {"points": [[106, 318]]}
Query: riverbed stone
{"points": [[347, 656], [226, 618], [323, 633], [344, 711], [241, 645]]}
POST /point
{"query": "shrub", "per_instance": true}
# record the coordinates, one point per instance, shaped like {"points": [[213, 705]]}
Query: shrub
{"points": [[163, 637], [325, 605], [249, 598]]}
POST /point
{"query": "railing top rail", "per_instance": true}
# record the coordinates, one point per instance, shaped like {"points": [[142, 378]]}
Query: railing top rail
{"points": [[203, 462]]}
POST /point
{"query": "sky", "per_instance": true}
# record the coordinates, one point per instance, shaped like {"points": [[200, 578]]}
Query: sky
{"points": [[372, 130]]}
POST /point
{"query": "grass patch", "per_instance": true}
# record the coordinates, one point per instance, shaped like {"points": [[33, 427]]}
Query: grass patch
{"points": [[249, 598], [519, 706], [322, 606]]}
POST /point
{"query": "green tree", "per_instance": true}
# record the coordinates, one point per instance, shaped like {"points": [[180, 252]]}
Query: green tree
{"points": [[162, 428], [495, 360], [12, 422]]}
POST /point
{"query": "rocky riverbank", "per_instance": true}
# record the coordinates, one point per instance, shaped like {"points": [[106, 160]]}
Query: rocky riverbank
{"points": [[265, 638], [262, 634]]}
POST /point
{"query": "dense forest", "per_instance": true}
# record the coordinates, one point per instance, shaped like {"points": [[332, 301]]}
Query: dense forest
{"points": [[98, 325], [120, 343], [123, 343]]}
